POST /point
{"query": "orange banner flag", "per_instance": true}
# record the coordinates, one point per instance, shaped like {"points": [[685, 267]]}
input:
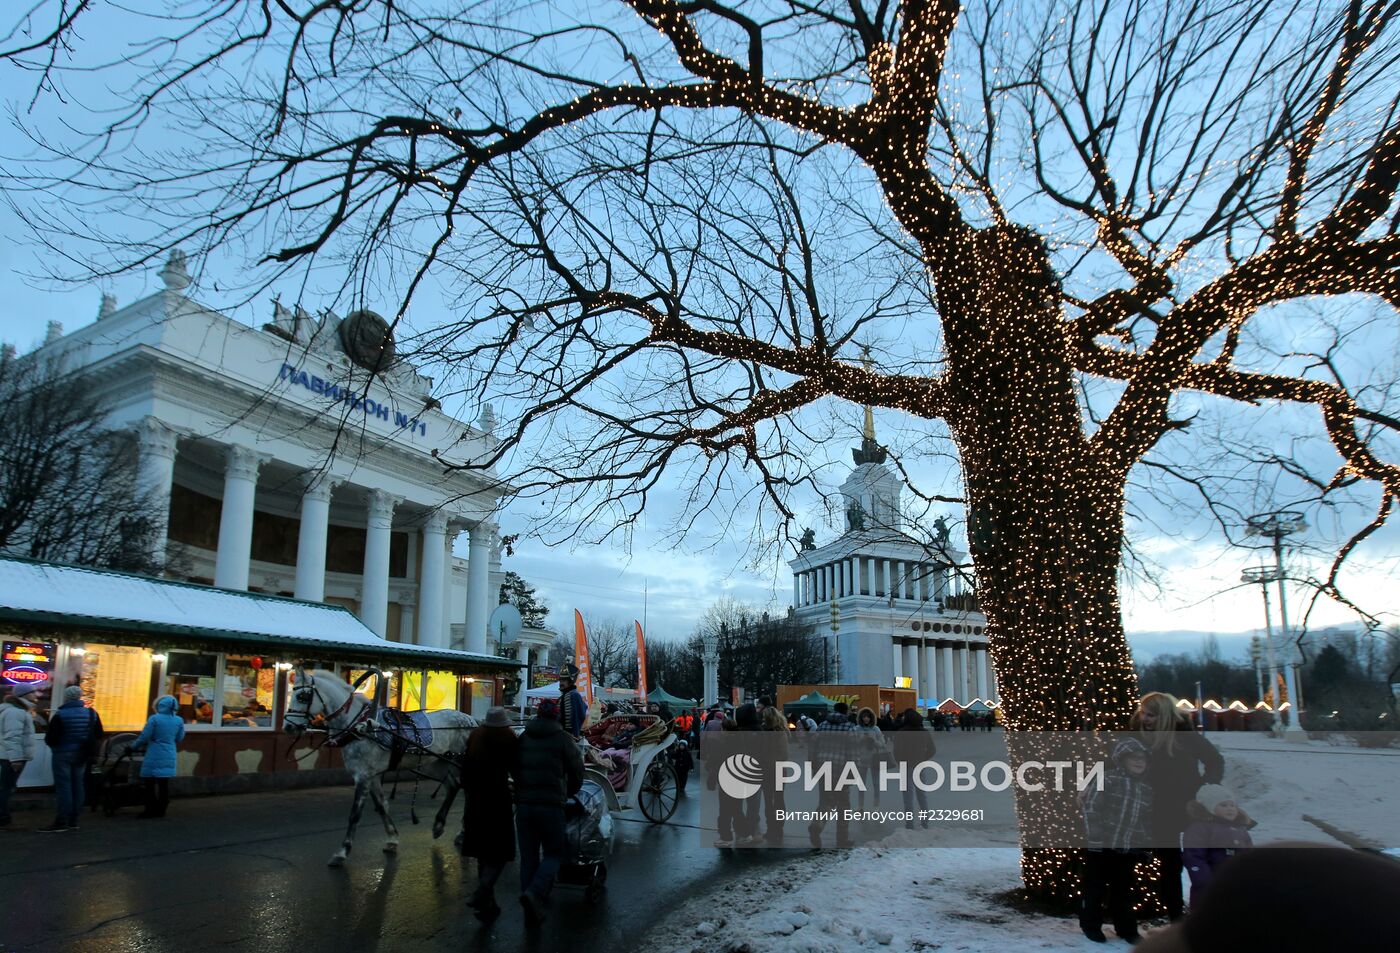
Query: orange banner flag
{"points": [[585, 676], [641, 663]]}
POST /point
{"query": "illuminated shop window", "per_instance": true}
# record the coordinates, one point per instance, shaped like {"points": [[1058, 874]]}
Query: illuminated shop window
{"points": [[442, 691], [116, 681]]}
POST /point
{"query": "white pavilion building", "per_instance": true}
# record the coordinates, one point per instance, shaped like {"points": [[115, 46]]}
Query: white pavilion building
{"points": [[906, 621]]}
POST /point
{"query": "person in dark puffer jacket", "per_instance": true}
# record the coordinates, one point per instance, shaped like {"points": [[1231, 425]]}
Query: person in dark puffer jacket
{"points": [[549, 772], [1292, 898], [74, 733], [1219, 830]]}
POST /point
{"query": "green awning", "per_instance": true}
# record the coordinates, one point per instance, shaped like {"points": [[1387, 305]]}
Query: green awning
{"points": [[674, 702], [814, 701]]}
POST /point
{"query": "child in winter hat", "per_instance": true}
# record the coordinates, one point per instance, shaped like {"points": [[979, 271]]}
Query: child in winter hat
{"points": [[1218, 830], [1117, 821]]}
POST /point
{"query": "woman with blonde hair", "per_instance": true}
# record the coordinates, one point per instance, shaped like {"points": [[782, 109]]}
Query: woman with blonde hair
{"points": [[1179, 761], [773, 803]]}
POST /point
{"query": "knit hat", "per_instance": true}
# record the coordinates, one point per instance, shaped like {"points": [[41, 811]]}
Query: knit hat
{"points": [[1212, 794], [497, 718], [1127, 748], [73, 693]]}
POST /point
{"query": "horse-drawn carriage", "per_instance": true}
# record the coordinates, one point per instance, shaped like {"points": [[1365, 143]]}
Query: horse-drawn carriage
{"points": [[374, 739], [629, 755]]}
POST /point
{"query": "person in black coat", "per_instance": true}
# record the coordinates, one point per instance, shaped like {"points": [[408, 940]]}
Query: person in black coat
{"points": [[914, 749], [1180, 760], [488, 823], [550, 771]]}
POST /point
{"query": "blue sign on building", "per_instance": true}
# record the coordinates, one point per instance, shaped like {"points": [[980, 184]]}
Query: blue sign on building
{"points": [[343, 395]]}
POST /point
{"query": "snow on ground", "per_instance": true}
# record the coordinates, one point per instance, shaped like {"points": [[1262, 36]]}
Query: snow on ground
{"points": [[902, 899], [946, 898], [1277, 782]]}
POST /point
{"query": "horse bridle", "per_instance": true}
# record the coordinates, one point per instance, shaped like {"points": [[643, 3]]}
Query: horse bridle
{"points": [[335, 738]]}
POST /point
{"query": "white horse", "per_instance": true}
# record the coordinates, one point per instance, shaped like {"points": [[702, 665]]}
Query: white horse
{"points": [[367, 747]]}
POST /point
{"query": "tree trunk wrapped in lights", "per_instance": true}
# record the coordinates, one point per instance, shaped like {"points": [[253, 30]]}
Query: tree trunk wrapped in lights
{"points": [[645, 204]]}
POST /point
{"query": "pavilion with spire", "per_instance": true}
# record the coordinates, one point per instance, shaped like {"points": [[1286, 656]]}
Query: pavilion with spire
{"points": [[905, 621]]}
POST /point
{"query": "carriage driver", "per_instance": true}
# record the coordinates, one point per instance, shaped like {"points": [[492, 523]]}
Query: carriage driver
{"points": [[573, 709]]}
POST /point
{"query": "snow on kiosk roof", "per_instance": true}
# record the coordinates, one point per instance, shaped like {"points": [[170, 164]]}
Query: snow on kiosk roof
{"points": [[159, 609]]}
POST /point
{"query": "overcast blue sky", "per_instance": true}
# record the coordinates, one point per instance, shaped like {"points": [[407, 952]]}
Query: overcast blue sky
{"points": [[1197, 575]]}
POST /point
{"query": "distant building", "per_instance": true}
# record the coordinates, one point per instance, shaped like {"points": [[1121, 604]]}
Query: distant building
{"points": [[905, 619]]}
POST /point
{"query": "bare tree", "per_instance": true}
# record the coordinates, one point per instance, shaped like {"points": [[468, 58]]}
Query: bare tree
{"points": [[68, 489], [757, 652], [612, 652], [675, 665], [672, 222]]}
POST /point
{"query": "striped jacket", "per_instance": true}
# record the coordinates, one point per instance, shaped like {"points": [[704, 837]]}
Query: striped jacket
{"points": [[1120, 816]]}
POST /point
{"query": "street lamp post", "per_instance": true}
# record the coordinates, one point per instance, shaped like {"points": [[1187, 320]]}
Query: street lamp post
{"points": [[1276, 527], [709, 656], [835, 642], [1256, 655], [1263, 575]]}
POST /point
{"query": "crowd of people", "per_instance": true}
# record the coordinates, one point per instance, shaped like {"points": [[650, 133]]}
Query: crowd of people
{"points": [[74, 735], [1162, 800]]}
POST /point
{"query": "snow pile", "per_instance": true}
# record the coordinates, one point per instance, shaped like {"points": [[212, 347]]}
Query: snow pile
{"points": [[906, 900]]}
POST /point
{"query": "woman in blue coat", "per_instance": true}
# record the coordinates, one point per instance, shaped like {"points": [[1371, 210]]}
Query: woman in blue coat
{"points": [[163, 731]]}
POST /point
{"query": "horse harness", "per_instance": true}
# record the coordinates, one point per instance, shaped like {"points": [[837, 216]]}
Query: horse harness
{"points": [[389, 728]]}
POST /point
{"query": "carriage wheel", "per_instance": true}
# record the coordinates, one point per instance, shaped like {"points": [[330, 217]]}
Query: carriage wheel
{"points": [[659, 793]]}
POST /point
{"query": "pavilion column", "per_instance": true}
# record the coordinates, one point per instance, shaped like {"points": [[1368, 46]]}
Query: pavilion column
{"points": [[797, 590], [960, 676], [979, 668], [898, 652], [311, 537], [888, 566], [156, 446], [522, 655], [374, 583], [930, 683], [478, 577], [911, 665], [992, 689], [407, 605], [236, 517], [945, 672], [455, 528], [431, 597]]}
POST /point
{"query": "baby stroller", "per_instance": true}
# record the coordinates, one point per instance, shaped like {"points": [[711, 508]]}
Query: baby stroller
{"points": [[588, 838], [117, 783]]}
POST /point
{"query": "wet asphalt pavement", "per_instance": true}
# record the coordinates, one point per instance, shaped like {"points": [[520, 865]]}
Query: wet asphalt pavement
{"points": [[248, 872]]}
